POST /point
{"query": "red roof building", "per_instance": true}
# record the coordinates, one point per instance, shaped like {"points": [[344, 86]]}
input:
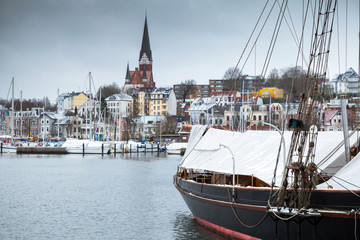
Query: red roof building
{"points": [[142, 76]]}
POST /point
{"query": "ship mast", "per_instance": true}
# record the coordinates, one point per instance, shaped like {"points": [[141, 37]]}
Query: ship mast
{"points": [[12, 108], [300, 170]]}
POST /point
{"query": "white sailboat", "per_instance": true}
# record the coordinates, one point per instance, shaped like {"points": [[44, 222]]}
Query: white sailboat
{"points": [[87, 146], [7, 143]]}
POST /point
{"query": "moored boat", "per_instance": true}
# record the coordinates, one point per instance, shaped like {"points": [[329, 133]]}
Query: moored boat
{"points": [[243, 205], [75, 146], [176, 148]]}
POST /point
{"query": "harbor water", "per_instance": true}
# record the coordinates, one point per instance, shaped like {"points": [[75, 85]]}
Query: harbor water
{"points": [[93, 197]]}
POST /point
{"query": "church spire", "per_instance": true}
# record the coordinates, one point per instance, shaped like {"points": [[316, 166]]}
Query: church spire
{"points": [[127, 72], [145, 46]]}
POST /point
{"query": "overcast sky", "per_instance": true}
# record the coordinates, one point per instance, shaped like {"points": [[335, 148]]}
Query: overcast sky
{"points": [[53, 44]]}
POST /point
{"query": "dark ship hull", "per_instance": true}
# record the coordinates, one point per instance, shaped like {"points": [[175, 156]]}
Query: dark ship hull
{"points": [[250, 218]]}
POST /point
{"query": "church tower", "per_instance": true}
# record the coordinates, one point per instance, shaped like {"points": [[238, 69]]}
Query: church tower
{"points": [[145, 57], [142, 76]]}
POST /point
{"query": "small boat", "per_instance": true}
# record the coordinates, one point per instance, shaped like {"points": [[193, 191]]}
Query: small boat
{"points": [[176, 148], [8, 148]]}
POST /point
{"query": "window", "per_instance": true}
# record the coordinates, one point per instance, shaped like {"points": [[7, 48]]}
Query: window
{"points": [[254, 117], [158, 108], [154, 108], [334, 121], [339, 121], [265, 118], [259, 118], [164, 107], [158, 102]]}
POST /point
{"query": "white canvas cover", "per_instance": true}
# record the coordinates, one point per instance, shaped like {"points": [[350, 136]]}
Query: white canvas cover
{"points": [[346, 178], [255, 152]]}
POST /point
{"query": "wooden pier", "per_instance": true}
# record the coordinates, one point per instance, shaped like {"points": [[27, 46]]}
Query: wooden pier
{"points": [[40, 150]]}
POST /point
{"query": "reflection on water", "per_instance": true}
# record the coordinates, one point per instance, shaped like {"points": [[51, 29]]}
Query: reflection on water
{"points": [[93, 197], [186, 227]]}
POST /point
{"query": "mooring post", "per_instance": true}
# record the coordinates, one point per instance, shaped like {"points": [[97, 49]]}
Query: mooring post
{"points": [[115, 149], [123, 148], [102, 149], [83, 149], [158, 147], [137, 148], [152, 147], [1, 147], [145, 147]]}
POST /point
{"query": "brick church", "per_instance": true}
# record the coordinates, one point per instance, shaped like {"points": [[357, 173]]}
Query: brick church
{"points": [[142, 76]]}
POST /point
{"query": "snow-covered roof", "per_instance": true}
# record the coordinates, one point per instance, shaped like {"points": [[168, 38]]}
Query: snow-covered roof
{"points": [[202, 104], [255, 152], [161, 91], [349, 74], [149, 119], [119, 97]]}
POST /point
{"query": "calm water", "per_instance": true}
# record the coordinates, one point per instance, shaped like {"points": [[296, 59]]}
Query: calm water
{"points": [[76, 197]]}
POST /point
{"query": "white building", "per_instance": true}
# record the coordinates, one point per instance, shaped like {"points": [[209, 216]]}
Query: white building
{"points": [[347, 82], [119, 104], [201, 109]]}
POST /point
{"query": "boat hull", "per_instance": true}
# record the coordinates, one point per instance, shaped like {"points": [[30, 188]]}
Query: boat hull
{"points": [[8, 149], [79, 150], [249, 217]]}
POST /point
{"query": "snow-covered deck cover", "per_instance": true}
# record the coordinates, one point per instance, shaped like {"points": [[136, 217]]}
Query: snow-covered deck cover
{"points": [[255, 152], [345, 178]]}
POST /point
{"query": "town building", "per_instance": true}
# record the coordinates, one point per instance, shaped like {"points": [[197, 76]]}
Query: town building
{"points": [[142, 76], [270, 92], [76, 127], [245, 83], [27, 123], [89, 109], [119, 104], [71, 101], [347, 82], [140, 102], [200, 110], [47, 120], [162, 102]]}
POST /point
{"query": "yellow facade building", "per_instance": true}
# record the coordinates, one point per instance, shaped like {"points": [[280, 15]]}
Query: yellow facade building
{"points": [[272, 92]]}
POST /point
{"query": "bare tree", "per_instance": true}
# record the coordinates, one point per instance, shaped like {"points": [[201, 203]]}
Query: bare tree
{"points": [[108, 90], [233, 79], [186, 89]]}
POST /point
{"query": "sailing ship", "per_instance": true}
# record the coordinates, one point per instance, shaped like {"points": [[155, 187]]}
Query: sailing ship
{"points": [[244, 185]]}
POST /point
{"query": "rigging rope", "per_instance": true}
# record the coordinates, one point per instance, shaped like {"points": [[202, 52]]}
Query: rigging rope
{"points": [[238, 218]]}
